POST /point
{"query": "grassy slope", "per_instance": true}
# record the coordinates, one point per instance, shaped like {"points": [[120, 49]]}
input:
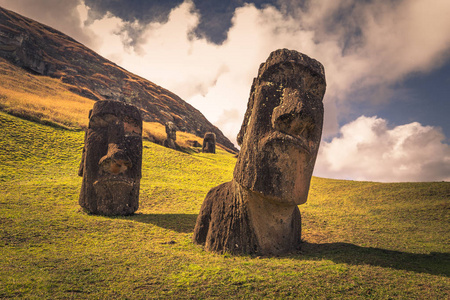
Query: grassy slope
{"points": [[363, 239], [50, 101], [41, 98]]}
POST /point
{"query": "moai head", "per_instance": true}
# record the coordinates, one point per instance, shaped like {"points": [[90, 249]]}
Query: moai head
{"points": [[282, 128], [171, 131], [209, 143], [112, 159]]}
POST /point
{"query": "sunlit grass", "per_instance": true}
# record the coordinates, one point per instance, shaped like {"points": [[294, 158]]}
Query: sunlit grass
{"points": [[362, 239]]}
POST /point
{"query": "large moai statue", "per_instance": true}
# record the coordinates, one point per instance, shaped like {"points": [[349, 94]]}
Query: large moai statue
{"points": [[171, 131], [209, 143], [112, 159], [257, 212]]}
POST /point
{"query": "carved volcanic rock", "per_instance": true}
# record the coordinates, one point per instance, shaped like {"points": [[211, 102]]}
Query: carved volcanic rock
{"points": [[171, 131], [209, 143], [257, 212], [46, 51], [112, 160]]}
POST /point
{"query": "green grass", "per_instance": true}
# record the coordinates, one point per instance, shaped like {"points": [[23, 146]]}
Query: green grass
{"points": [[362, 239]]}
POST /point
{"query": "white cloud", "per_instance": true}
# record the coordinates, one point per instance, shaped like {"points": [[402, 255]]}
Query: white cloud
{"points": [[367, 149]]}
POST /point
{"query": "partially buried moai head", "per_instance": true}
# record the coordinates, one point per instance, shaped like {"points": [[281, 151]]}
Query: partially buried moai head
{"points": [[282, 127], [171, 131], [209, 143], [112, 159]]}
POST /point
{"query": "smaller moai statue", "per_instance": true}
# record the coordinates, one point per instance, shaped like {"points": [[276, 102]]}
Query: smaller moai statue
{"points": [[111, 160], [171, 131], [209, 143]]}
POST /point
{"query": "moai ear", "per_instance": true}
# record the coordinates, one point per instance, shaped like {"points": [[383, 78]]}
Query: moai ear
{"points": [[243, 130], [83, 154]]}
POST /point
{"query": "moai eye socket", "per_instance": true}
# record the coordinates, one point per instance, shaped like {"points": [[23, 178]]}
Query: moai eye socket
{"points": [[110, 119], [131, 127], [99, 121]]}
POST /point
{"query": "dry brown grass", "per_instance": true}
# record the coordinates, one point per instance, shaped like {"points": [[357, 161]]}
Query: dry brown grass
{"points": [[156, 132], [70, 111], [48, 100], [41, 98]]}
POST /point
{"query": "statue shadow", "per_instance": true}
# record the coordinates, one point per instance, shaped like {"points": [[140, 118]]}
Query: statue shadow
{"points": [[433, 263], [182, 223]]}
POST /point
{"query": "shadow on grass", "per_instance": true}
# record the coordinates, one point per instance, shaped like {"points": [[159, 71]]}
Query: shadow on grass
{"points": [[183, 223], [434, 263]]}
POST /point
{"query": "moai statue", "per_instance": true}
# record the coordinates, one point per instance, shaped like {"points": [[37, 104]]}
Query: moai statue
{"points": [[171, 131], [209, 143], [257, 212], [111, 160]]}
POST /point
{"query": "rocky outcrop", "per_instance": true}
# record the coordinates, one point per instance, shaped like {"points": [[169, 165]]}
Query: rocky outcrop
{"points": [[257, 212], [43, 50]]}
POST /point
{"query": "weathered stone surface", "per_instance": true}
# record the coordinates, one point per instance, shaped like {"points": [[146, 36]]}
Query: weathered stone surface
{"points": [[209, 143], [235, 219], [257, 212], [171, 131], [112, 159], [282, 127]]}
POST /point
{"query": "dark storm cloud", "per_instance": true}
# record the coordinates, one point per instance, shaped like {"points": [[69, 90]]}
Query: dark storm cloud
{"points": [[131, 10], [215, 17]]}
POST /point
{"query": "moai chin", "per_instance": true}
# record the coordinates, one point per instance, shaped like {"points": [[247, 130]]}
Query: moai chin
{"points": [[209, 143], [171, 131], [111, 160], [257, 212]]}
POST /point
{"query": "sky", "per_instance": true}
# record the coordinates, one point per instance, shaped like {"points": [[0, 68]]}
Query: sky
{"points": [[387, 66]]}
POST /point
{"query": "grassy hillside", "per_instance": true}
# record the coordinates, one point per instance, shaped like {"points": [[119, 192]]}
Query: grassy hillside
{"points": [[41, 98], [362, 239], [43, 50], [49, 101]]}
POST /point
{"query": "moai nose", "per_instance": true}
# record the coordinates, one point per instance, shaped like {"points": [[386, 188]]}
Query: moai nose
{"points": [[116, 161], [294, 115]]}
